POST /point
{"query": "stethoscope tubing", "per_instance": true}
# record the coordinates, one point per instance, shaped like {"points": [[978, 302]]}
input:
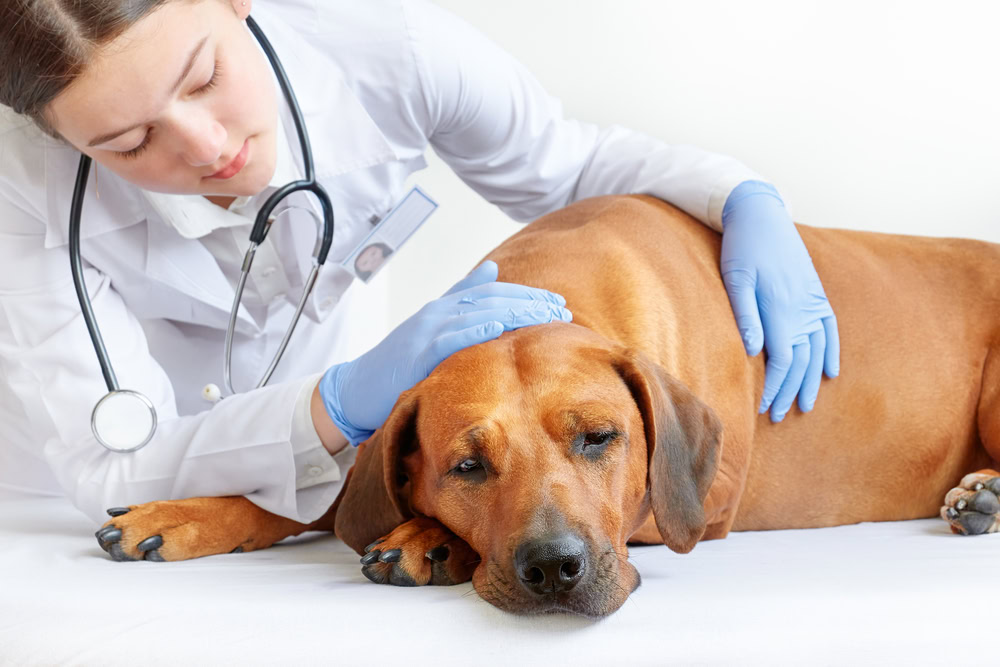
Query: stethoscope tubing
{"points": [[76, 209], [261, 225]]}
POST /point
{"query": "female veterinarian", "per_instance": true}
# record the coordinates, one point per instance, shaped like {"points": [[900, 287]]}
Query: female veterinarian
{"points": [[121, 274]]}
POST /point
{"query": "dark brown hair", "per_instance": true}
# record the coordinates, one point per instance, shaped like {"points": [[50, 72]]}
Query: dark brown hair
{"points": [[45, 45]]}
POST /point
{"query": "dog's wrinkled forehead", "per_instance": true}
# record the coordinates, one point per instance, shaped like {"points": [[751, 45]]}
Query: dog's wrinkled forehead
{"points": [[529, 361], [538, 377]]}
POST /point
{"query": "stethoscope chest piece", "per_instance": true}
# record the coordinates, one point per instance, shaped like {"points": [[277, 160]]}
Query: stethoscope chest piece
{"points": [[123, 421]]}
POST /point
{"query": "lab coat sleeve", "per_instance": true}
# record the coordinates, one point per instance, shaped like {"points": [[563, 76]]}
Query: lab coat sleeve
{"points": [[490, 120], [259, 444]]}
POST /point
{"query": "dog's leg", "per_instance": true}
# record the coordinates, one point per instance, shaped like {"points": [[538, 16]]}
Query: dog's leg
{"points": [[973, 507], [989, 406], [180, 529], [418, 552]]}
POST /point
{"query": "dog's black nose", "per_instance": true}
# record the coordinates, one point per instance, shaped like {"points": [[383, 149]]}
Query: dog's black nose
{"points": [[551, 564]]}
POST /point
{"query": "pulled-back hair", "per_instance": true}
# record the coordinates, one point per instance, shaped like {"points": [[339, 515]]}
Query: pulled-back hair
{"points": [[46, 44]]}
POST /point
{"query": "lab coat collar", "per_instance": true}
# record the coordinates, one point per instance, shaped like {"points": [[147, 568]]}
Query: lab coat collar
{"points": [[343, 136]]}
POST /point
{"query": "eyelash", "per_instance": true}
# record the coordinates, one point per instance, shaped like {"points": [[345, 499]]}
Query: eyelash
{"points": [[138, 150], [213, 81]]}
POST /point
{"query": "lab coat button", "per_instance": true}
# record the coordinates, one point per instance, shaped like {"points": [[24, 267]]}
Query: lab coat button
{"points": [[315, 471]]}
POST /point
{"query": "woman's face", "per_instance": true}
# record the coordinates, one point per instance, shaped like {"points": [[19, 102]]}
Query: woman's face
{"points": [[196, 134]]}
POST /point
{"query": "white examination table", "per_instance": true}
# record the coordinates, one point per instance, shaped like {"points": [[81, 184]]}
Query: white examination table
{"points": [[893, 593]]}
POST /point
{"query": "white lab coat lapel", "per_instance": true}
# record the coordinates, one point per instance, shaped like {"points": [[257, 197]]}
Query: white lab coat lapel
{"points": [[186, 266]]}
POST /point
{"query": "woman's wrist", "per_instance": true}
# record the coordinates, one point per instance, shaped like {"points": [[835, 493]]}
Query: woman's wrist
{"points": [[331, 437]]}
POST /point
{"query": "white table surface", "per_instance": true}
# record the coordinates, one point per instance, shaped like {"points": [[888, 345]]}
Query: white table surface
{"points": [[887, 593]]}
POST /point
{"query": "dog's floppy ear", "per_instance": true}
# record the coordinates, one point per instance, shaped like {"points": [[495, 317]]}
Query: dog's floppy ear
{"points": [[682, 441], [371, 505]]}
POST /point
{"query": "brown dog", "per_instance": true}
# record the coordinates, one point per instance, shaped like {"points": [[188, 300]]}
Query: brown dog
{"points": [[527, 463]]}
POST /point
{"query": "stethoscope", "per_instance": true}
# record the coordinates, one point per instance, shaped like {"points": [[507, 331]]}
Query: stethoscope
{"points": [[124, 420]]}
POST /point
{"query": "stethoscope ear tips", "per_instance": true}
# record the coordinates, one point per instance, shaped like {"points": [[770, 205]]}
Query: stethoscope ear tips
{"points": [[211, 393]]}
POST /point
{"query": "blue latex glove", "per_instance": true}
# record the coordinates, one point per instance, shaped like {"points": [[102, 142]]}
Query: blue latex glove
{"points": [[777, 298], [358, 395]]}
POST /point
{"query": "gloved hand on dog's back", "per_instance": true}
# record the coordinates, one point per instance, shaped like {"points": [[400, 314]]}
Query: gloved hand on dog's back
{"points": [[358, 395], [777, 298]]}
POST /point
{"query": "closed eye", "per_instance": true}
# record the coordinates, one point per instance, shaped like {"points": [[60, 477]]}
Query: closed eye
{"points": [[138, 150], [135, 152], [211, 83]]}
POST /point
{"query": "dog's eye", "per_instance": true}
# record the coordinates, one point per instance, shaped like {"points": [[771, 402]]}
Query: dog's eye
{"points": [[597, 439], [468, 465]]}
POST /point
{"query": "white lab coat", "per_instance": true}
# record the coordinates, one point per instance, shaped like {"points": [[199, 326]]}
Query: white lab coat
{"points": [[378, 82]]}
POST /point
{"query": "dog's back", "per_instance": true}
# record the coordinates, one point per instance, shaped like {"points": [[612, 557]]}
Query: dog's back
{"points": [[919, 322]]}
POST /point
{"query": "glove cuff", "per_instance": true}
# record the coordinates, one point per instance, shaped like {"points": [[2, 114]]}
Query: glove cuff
{"points": [[744, 191], [329, 390]]}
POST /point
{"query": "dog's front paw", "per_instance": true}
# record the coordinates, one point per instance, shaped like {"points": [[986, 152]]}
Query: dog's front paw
{"points": [[419, 552], [173, 530], [973, 507]]}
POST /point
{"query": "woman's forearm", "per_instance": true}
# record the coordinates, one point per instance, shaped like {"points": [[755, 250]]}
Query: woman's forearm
{"points": [[333, 440]]}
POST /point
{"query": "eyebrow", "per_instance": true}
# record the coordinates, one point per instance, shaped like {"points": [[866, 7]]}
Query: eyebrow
{"points": [[104, 138]]}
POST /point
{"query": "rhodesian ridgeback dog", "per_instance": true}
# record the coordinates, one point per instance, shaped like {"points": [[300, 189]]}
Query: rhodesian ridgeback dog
{"points": [[528, 463]]}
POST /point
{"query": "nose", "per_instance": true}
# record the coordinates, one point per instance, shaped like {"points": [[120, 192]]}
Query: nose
{"points": [[552, 564], [202, 140]]}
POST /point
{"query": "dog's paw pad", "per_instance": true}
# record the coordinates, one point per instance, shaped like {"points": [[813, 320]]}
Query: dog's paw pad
{"points": [[973, 507], [419, 552]]}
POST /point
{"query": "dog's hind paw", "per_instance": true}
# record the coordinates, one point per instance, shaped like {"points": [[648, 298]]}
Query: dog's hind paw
{"points": [[419, 552], [973, 507]]}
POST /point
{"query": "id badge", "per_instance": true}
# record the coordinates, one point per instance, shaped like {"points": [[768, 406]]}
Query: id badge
{"points": [[389, 234]]}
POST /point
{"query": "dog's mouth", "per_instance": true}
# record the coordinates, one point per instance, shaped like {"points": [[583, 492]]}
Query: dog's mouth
{"points": [[604, 589]]}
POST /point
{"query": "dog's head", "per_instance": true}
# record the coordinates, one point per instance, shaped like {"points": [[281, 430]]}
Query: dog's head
{"points": [[544, 450]]}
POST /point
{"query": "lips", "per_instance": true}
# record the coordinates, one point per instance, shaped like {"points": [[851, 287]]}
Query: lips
{"points": [[234, 167]]}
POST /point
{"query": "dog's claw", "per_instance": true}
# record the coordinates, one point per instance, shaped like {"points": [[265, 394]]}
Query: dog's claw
{"points": [[117, 554], [150, 543], [961, 504], [237, 550], [117, 511], [154, 555], [419, 552], [391, 556], [107, 536], [374, 544], [438, 554]]}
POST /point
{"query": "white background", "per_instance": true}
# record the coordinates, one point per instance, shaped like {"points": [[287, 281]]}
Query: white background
{"points": [[869, 115]]}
